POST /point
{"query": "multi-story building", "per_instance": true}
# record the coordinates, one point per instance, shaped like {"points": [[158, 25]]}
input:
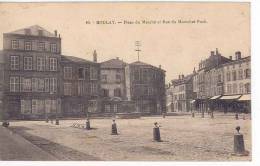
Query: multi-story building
{"points": [[182, 90], [115, 87], [80, 86], [31, 72], [147, 87]]}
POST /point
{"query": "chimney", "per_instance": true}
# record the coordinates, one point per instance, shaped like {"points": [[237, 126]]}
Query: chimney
{"points": [[160, 66], [194, 70], [95, 56], [117, 58], [211, 53], [238, 55], [59, 35], [217, 51], [230, 57], [55, 33], [179, 77]]}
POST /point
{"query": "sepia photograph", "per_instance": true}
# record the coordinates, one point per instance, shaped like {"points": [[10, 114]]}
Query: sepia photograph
{"points": [[125, 81]]}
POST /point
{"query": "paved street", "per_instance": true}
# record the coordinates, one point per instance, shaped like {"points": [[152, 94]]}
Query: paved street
{"points": [[184, 138], [15, 147]]}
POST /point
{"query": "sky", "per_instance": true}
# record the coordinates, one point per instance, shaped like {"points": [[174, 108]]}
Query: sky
{"points": [[177, 47]]}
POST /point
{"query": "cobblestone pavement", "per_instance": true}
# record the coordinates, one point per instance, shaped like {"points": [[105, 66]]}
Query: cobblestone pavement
{"points": [[184, 138]]}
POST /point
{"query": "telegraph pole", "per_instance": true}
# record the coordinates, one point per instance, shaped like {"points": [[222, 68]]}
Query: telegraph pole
{"points": [[137, 44]]}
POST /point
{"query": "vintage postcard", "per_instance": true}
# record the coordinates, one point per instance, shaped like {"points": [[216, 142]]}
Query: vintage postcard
{"points": [[125, 81]]}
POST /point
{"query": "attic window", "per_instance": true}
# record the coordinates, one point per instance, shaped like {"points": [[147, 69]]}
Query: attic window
{"points": [[40, 32], [27, 31]]}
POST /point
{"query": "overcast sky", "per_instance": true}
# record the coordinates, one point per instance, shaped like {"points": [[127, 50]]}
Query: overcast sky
{"points": [[177, 47]]}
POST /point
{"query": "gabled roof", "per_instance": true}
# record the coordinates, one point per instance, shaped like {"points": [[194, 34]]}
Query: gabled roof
{"points": [[184, 80], [113, 63], [75, 59], [34, 31], [139, 63]]}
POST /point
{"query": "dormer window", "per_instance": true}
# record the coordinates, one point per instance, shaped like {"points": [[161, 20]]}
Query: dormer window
{"points": [[27, 31], [40, 32], [28, 45]]}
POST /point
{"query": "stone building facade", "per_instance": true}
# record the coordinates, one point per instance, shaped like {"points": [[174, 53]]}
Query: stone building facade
{"points": [[115, 87], [31, 72], [80, 86], [147, 87]]}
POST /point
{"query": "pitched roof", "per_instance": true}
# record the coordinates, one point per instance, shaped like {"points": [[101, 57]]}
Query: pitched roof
{"points": [[34, 31], [75, 59], [113, 63], [139, 63], [184, 80]]}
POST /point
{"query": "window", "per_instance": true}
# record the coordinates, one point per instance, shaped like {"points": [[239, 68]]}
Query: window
{"points": [[81, 73], [229, 89], [53, 64], [219, 78], [27, 62], [234, 88], [41, 46], [26, 106], [118, 78], [107, 107], [15, 44], [234, 75], [80, 88], [104, 78], [241, 88], [40, 63], [47, 63], [117, 92], [40, 85], [26, 84], [247, 73], [93, 88], [136, 75], [67, 89], [14, 84], [93, 73], [67, 72], [247, 88], [53, 85], [28, 45], [228, 76], [105, 92], [92, 107], [14, 62], [47, 84], [53, 47], [240, 74]]}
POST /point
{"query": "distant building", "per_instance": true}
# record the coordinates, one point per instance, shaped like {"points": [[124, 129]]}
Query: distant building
{"points": [[182, 90], [147, 88]]}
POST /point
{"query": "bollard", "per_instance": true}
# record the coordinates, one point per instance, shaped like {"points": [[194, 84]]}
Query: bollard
{"points": [[239, 146], [212, 115], [163, 115], [5, 124], [236, 116], [193, 114], [114, 128], [47, 120], [51, 121], [156, 133], [57, 121], [87, 125]]}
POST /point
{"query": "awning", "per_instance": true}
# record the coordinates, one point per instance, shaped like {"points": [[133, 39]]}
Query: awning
{"points": [[245, 97], [215, 97], [230, 97]]}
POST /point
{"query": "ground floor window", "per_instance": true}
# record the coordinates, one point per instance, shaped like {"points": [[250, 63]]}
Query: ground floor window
{"points": [[39, 107], [26, 106], [92, 107]]}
